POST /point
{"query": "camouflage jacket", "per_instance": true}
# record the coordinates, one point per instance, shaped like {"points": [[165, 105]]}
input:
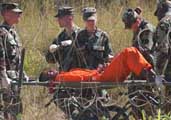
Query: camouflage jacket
{"points": [[94, 48], [143, 40], [65, 56], [162, 46], [9, 53]]}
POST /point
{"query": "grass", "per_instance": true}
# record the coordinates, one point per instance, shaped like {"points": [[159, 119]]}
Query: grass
{"points": [[38, 28]]}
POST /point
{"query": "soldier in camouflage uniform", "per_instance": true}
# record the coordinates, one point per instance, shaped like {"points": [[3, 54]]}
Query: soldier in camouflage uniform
{"points": [[93, 47], [163, 40], [163, 44], [93, 43], [143, 40], [10, 57], [142, 32], [62, 49]]}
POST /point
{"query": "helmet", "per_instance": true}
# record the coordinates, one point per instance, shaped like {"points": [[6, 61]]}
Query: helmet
{"points": [[163, 6], [89, 13], [129, 17], [65, 10]]}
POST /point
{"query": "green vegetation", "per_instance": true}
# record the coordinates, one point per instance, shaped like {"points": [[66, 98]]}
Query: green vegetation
{"points": [[38, 27]]}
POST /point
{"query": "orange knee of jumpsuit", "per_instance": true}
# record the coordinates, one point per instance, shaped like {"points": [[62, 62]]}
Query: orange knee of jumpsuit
{"points": [[129, 60]]}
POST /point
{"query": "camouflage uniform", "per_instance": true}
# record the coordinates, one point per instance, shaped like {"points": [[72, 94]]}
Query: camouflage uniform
{"points": [[9, 53], [163, 45], [143, 40], [143, 37], [94, 48], [10, 59], [65, 56], [163, 40]]}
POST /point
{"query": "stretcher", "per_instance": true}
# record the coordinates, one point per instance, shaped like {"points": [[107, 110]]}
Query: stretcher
{"points": [[90, 84], [127, 61]]}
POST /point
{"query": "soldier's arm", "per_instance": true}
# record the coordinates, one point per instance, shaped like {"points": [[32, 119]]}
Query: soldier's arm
{"points": [[52, 57], [5, 81], [108, 53], [2, 59], [145, 38]]}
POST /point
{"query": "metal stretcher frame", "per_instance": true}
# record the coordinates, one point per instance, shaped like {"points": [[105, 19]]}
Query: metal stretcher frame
{"points": [[120, 111], [91, 84]]}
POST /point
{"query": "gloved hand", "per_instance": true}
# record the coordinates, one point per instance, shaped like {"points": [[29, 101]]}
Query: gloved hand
{"points": [[9, 81], [66, 42], [160, 86], [53, 48], [6, 82], [110, 57], [159, 80], [26, 78]]}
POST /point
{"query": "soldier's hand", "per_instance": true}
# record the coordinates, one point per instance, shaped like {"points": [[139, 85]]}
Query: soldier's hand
{"points": [[100, 68], [66, 42], [9, 80], [159, 80], [53, 48], [26, 78], [110, 57], [6, 82]]}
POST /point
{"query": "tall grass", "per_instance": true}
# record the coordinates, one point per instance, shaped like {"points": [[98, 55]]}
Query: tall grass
{"points": [[38, 27]]}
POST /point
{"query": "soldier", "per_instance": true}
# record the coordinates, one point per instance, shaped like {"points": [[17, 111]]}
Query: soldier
{"points": [[92, 42], [162, 39], [10, 57], [93, 46], [163, 44], [62, 48], [143, 40], [142, 32]]}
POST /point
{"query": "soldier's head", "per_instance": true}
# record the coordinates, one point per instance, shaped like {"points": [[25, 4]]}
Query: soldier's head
{"points": [[65, 16], [163, 9], [10, 12], [89, 17], [131, 18]]}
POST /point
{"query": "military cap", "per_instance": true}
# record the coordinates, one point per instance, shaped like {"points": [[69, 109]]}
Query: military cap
{"points": [[62, 11], [10, 6], [129, 17], [89, 13]]}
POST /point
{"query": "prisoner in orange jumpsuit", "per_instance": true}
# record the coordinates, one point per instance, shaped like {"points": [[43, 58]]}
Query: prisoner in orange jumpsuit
{"points": [[127, 61]]}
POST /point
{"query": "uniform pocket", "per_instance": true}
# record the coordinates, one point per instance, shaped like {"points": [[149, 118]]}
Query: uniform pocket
{"points": [[98, 48]]}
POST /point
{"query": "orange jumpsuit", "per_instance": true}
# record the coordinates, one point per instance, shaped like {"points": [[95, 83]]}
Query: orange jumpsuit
{"points": [[129, 60]]}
